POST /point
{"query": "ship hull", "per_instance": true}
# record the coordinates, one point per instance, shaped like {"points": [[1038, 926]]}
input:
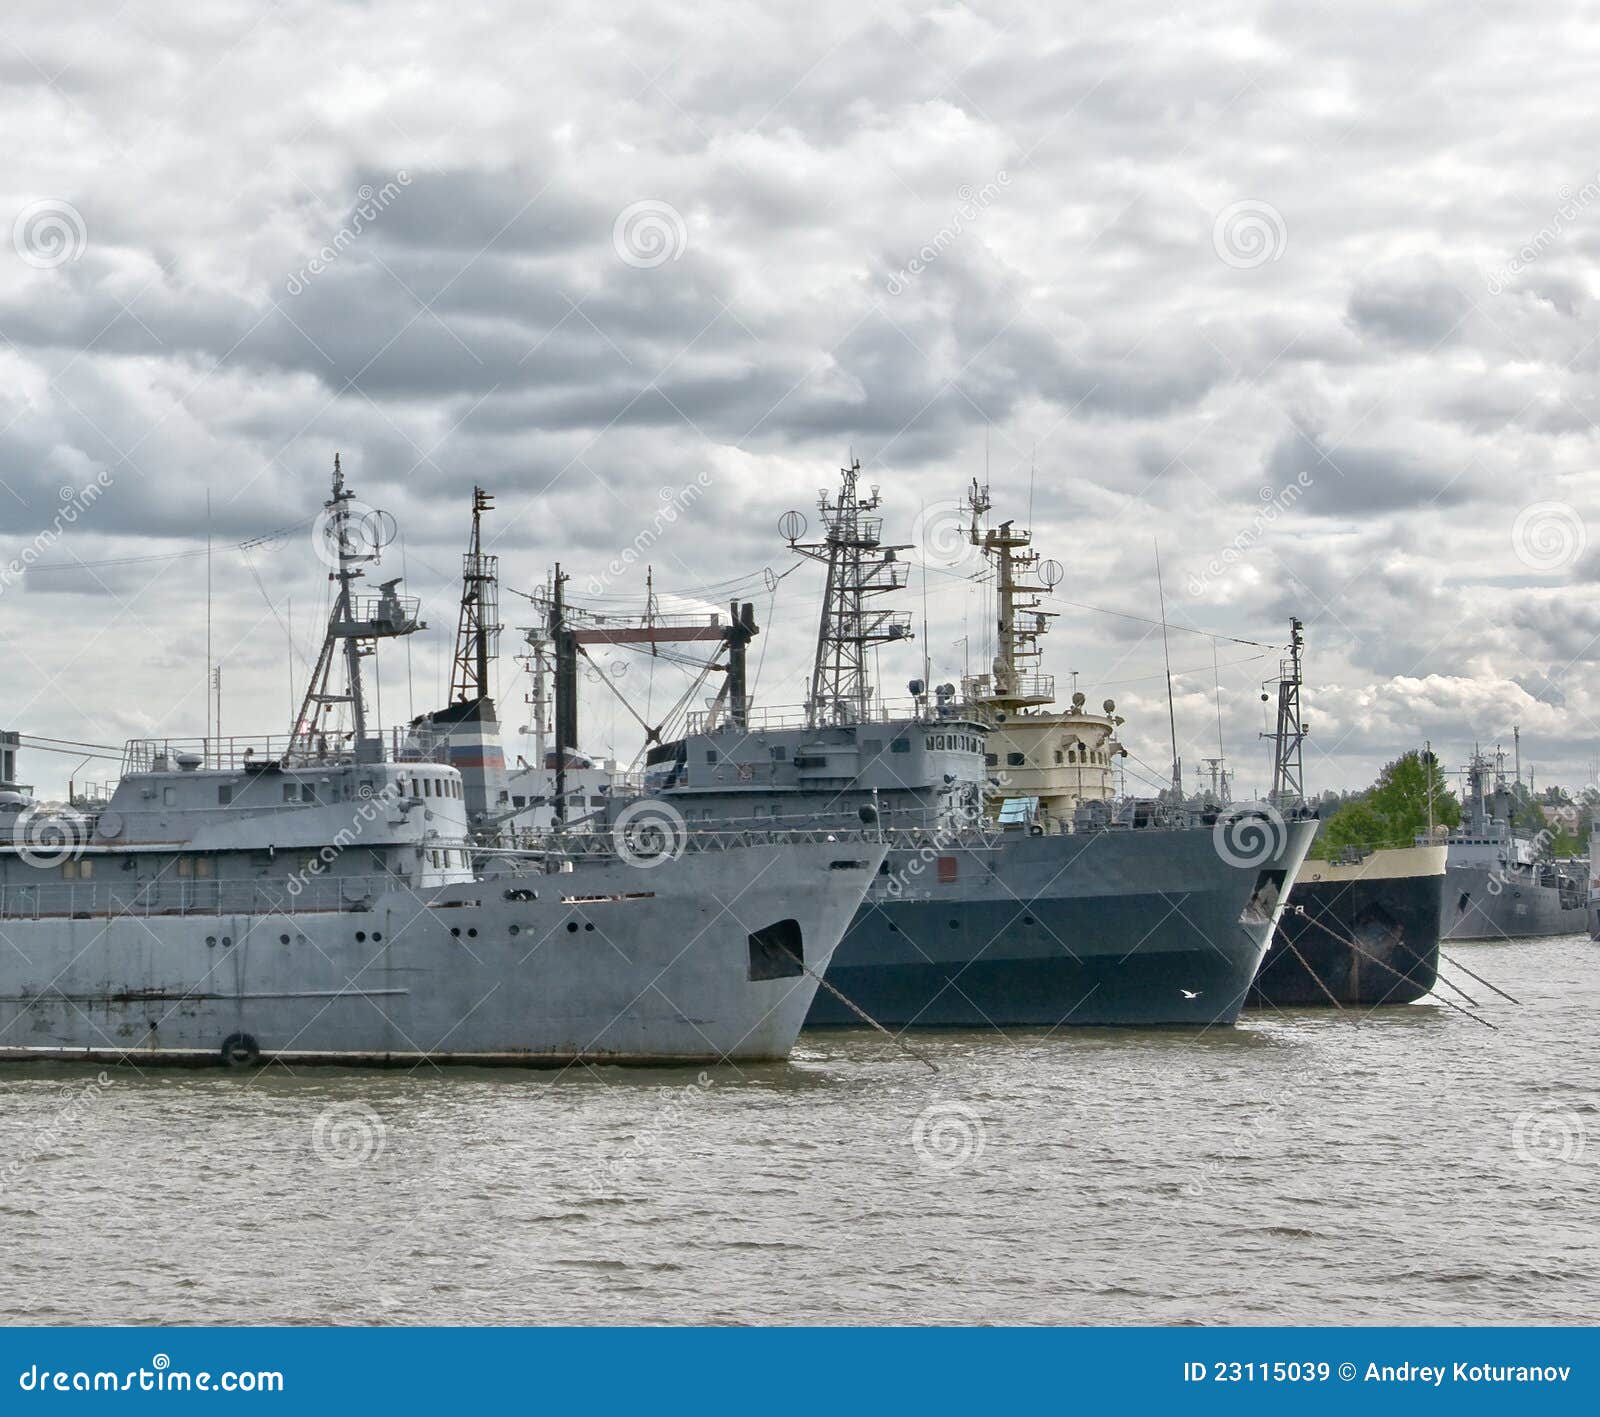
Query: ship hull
{"points": [[1364, 934], [1481, 904], [609, 963], [1118, 928]]}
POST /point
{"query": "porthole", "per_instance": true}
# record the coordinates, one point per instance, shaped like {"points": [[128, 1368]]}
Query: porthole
{"points": [[283, 939], [572, 927], [227, 942], [1027, 919], [456, 931], [516, 929], [377, 937], [211, 942], [588, 925], [472, 934], [955, 924], [361, 937]]}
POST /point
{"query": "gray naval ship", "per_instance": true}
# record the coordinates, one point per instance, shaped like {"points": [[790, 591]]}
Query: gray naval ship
{"points": [[1501, 884], [1016, 891], [318, 898]]}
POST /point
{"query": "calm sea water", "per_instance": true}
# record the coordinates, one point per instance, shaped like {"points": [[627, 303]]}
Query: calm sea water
{"points": [[1408, 1167]]}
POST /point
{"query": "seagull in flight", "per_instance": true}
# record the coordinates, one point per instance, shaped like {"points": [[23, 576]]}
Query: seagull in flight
{"points": [[1190, 993]]}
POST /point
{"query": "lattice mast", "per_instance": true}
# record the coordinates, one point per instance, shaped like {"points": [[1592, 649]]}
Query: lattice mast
{"points": [[478, 629], [355, 625], [1289, 734], [860, 568], [1014, 681]]}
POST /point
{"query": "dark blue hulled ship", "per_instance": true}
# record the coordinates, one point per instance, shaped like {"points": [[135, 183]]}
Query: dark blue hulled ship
{"points": [[1360, 929], [1017, 891]]}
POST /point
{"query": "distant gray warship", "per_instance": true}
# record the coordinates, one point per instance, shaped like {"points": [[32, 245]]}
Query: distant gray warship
{"points": [[319, 899], [1501, 884], [1016, 892]]}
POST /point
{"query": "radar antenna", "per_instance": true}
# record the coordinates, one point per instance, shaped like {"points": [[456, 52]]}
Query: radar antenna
{"points": [[355, 625], [860, 567], [478, 631]]}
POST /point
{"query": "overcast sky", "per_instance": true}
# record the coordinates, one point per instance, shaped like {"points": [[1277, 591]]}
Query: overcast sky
{"points": [[1307, 294]]}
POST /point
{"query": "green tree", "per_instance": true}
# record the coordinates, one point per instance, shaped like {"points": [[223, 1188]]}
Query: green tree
{"points": [[1394, 811]]}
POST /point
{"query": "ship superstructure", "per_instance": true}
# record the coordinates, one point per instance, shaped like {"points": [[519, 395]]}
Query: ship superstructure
{"points": [[1043, 761], [320, 897], [982, 915], [1503, 883]]}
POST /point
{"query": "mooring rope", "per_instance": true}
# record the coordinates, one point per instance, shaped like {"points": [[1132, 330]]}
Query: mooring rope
{"points": [[1351, 944]]}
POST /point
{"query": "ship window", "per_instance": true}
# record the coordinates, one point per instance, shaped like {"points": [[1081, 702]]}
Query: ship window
{"points": [[427, 787], [202, 866], [185, 866], [872, 746], [519, 801], [947, 869], [85, 869], [900, 745], [779, 754], [291, 790], [1059, 755], [224, 795], [991, 760], [1014, 760], [69, 870], [711, 755], [169, 795]]}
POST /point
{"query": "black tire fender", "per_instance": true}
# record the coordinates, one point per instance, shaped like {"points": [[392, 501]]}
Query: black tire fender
{"points": [[240, 1050]]}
